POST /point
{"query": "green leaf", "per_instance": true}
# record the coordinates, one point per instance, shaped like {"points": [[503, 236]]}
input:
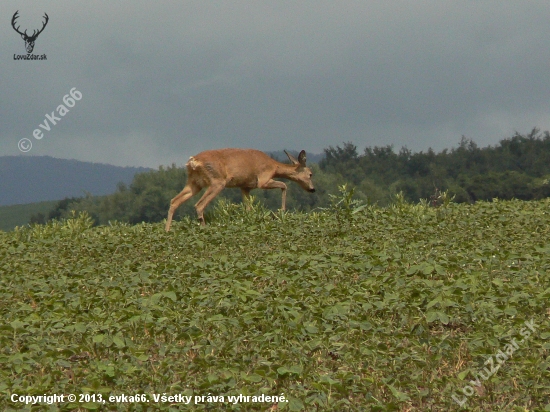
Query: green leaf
{"points": [[295, 404], [17, 325], [171, 295], [328, 379], [119, 341], [463, 374], [443, 318], [80, 327], [91, 406], [296, 369], [216, 318], [432, 316], [252, 377], [510, 311], [401, 396]]}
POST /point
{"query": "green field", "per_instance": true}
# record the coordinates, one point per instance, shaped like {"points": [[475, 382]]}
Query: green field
{"points": [[348, 309], [20, 215]]}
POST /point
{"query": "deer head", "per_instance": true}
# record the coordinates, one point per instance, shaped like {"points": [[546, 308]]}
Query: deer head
{"points": [[302, 174], [29, 40]]}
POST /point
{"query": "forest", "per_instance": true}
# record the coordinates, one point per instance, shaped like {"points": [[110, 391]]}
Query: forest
{"points": [[517, 168]]}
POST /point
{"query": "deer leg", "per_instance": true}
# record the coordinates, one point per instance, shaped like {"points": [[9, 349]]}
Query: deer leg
{"points": [[188, 191], [275, 184], [208, 196], [246, 197]]}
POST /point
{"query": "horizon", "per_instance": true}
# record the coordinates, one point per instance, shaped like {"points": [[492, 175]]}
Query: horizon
{"points": [[322, 153]]}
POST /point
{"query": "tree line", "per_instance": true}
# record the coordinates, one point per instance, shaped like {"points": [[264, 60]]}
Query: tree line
{"points": [[518, 167]]}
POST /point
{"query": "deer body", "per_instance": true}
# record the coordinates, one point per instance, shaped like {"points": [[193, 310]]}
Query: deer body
{"points": [[244, 168]]}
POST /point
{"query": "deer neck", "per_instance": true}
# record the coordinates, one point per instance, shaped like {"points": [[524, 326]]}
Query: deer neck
{"points": [[284, 170]]}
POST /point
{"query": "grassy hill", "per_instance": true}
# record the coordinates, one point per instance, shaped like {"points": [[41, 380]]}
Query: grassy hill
{"points": [[19, 215], [350, 309]]}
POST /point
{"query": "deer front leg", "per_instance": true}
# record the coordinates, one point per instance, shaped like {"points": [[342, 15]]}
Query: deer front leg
{"points": [[275, 184], [188, 191], [206, 198]]}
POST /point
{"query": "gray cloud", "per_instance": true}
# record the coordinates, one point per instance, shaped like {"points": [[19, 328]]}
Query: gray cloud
{"points": [[162, 81]]}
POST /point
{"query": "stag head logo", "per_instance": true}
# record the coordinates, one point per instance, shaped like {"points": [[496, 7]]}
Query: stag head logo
{"points": [[29, 40]]}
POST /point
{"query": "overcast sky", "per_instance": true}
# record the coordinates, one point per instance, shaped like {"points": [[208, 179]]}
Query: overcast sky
{"points": [[161, 81]]}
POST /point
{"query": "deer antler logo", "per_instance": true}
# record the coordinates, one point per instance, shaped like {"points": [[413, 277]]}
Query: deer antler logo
{"points": [[29, 40]]}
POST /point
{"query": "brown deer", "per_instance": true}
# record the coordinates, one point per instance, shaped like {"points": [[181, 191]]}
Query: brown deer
{"points": [[244, 168]]}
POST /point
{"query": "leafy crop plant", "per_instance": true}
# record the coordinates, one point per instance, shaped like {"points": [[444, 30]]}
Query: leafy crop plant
{"points": [[396, 308]]}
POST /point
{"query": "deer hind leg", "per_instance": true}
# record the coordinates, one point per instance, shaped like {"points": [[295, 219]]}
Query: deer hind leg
{"points": [[188, 191], [275, 184], [206, 198]]}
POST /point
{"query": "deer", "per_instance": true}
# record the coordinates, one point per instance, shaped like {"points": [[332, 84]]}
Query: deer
{"points": [[29, 40], [246, 169]]}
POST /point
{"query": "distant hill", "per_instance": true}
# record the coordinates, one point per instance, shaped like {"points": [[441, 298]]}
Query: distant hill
{"points": [[29, 179], [20, 215]]}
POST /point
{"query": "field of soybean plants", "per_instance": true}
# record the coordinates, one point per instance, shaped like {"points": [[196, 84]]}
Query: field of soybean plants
{"points": [[353, 308]]}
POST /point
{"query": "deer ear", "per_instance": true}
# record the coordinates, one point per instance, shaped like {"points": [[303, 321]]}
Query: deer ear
{"points": [[292, 158], [302, 158], [23, 36]]}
